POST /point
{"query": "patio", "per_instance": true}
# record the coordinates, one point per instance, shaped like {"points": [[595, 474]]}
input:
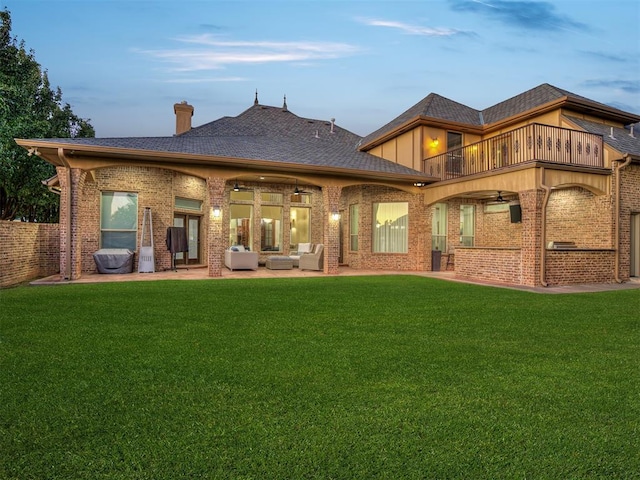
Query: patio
{"points": [[200, 272]]}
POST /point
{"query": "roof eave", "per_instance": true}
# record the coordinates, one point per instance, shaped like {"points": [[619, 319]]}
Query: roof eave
{"points": [[49, 150]]}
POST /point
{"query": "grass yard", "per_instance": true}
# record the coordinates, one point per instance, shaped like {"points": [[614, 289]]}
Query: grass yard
{"points": [[386, 377]]}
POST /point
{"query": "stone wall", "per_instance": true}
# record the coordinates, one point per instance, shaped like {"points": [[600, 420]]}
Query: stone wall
{"points": [[29, 250]]}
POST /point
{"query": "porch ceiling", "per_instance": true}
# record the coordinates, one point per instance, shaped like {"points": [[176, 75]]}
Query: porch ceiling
{"points": [[512, 181]]}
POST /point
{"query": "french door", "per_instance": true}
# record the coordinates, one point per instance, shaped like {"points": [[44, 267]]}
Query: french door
{"points": [[192, 224]]}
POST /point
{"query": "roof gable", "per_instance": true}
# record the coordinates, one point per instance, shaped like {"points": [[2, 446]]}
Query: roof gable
{"points": [[437, 107], [432, 106]]}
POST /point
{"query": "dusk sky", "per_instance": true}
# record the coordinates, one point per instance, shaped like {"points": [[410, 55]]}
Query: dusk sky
{"points": [[123, 64]]}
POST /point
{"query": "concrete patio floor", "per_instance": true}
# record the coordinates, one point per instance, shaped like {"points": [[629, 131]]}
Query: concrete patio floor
{"points": [[202, 273]]}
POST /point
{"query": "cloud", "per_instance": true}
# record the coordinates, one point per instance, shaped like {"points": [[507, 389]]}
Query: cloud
{"points": [[627, 86], [207, 80], [209, 52], [412, 29], [607, 56], [530, 15]]}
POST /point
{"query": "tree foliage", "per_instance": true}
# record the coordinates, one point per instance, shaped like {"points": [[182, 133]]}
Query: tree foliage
{"points": [[29, 108]]}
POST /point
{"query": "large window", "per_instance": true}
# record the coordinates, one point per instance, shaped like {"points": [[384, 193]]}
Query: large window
{"points": [[300, 226], [354, 219], [119, 220], [390, 227], [467, 225], [439, 227], [240, 232], [271, 229]]}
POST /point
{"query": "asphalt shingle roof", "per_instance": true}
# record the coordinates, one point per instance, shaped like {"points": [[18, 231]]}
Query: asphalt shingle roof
{"points": [[263, 133], [621, 140], [433, 106]]}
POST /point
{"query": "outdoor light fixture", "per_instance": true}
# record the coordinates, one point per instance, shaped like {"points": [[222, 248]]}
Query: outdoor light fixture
{"points": [[434, 142], [335, 215], [216, 212], [236, 188], [420, 184]]}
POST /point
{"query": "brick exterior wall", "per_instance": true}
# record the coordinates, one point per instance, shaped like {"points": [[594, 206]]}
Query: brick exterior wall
{"points": [[418, 256], [629, 204], [573, 214], [29, 250], [567, 267], [577, 215], [156, 188], [502, 265]]}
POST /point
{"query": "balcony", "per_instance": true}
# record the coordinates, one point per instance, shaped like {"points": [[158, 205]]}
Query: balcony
{"points": [[532, 143]]}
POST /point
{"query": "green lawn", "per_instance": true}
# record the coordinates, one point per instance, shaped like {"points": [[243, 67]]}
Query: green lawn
{"points": [[386, 377]]}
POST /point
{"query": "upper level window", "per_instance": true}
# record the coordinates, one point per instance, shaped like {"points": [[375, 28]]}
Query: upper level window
{"points": [[454, 140]]}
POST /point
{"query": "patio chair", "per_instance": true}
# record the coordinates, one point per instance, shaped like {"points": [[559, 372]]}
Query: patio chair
{"points": [[302, 248], [238, 258], [313, 260]]}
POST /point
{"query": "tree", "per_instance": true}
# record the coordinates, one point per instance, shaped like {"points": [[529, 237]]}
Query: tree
{"points": [[29, 108]]}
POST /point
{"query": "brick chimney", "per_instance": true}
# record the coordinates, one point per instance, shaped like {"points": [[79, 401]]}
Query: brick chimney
{"points": [[183, 112]]}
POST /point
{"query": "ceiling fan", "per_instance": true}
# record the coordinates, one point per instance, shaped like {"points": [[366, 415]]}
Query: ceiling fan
{"points": [[297, 191], [499, 199], [238, 188]]}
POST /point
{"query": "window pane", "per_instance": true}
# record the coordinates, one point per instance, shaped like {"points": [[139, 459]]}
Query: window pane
{"points": [[246, 195], [467, 225], [118, 220], [454, 140], [119, 240], [301, 198], [439, 227], [390, 227], [188, 204], [271, 229], [240, 225], [272, 198], [300, 226], [354, 219], [119, 211]]}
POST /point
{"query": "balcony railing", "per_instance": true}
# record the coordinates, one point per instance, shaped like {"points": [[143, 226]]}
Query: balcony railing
{"points": [[531, 143]]}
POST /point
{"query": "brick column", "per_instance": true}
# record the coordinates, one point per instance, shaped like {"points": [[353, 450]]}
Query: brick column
{"points": [[420, 240], [427, 220], [78, 178], [71, 184], [331, 201], [531, 205], [215, 230], [65, 212]]}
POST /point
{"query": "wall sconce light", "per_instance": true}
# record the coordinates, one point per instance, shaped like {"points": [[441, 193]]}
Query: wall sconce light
{"points": [[434, 142], [335, 215], [216, 212]]}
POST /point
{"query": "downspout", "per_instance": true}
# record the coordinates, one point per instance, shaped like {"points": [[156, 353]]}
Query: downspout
{"points": [[65, 161], [543, 230], [627, 161]]}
